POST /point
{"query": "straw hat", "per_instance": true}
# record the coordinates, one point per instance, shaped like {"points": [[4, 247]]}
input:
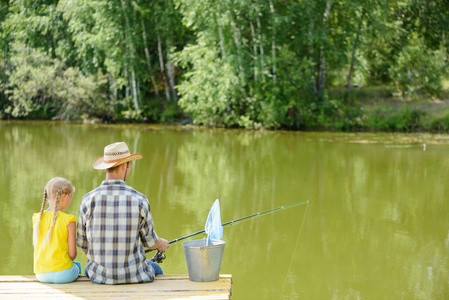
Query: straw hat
{"points": [[114, 155]]}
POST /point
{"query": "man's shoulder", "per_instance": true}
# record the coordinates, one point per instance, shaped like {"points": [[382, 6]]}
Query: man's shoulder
{"points": [[134, 191], [88, 197], [111, 189]]}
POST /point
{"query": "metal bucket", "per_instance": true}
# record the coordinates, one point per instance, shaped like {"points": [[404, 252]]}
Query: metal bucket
{"points": [[203, 262]]}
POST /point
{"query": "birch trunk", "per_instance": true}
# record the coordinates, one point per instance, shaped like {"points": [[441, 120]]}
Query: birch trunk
{"points": [[262, 63], [273, 42], [310, 41], [171, 77], [313, 85], [253, 35], [354, 48], [237, 43], [131, 48], [237, 37], [134, 89], [161, 63], [322, 60], [148, 58], [113, 86]]}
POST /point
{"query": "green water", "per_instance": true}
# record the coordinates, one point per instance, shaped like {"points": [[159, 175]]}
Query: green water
{"points": [[376, 227]]}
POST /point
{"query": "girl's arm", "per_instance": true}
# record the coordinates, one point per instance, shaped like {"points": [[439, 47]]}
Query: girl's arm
{"points": [[71, 228]]}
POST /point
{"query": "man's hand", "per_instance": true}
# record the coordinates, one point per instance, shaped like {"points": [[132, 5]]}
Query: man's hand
{"points": [[161, 245]]}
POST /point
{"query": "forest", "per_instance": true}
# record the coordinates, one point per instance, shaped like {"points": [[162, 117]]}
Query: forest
{"points": [[272, 64]]}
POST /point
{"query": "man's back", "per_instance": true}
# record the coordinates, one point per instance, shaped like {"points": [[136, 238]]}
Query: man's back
{"points": [[113, 219]]}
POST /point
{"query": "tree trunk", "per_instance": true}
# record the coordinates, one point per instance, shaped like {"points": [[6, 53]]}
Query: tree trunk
{"points": [[131, 48], [238, 44], [262, 63], [171, 77], [354, 47], [322, 60], [161, 63], [134, 89], [253, 35], [148, 58], [273, 41], [220, 32], [113, 86], [312, 67]]}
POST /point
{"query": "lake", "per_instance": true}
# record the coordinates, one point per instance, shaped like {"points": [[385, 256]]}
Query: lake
{"points": [[376, 226]]}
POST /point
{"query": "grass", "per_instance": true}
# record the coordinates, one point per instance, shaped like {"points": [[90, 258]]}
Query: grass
{"points": [[382, 109]]}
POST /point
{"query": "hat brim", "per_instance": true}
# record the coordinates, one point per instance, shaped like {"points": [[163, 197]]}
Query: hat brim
{"points": [[99, 163]]}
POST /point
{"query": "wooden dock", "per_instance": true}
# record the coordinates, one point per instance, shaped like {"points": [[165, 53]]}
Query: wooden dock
{"points": [[163, 287]]}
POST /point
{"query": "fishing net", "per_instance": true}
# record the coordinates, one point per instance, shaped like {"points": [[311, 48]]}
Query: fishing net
{"points": [[213, 228]]}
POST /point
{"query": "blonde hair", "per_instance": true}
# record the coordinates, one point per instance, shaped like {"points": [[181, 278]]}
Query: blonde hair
{"points": [[53, 192]]}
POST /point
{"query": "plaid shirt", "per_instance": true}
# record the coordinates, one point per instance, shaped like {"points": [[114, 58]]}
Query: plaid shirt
{"points": [[113, 219]]}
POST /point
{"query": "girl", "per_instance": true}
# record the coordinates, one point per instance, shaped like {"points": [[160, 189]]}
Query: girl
{"points": [[54, 235]]}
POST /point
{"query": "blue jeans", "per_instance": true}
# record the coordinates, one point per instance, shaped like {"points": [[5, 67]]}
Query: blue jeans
{"points": [[157, 268], [63, 276]]}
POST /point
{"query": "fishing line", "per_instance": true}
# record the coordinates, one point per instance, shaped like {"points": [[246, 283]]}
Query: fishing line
{"points": [[294, 251]]}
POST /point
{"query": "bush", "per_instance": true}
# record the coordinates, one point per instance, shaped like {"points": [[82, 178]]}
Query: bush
{"points": [[389, 119], [40, 87], [439, 124], [418, 70]]}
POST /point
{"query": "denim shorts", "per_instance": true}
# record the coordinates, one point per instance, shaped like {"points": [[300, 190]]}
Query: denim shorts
{"points": [[63, 276]]}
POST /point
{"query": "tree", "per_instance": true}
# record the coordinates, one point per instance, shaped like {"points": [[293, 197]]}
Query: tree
{"points": [[5, 63]]}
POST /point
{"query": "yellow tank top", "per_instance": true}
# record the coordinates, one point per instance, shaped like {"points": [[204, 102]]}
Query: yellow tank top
{"points": [[55, 256]]}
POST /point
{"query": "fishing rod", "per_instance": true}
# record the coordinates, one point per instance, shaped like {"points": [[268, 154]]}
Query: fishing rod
{"points": [[158, 257]]}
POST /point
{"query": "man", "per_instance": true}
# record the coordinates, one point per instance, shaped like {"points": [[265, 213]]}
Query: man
{"points": [[114, 219]]}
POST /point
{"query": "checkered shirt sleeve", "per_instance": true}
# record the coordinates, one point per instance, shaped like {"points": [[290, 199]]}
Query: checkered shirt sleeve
{"points": [[113, 221]]}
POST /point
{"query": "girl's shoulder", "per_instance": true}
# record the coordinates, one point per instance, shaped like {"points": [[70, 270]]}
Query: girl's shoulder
{"points": [[45, 213], [66, 217]]}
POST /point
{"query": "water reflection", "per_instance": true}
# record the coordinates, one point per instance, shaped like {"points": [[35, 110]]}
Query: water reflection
{"points": [[377, 222]]}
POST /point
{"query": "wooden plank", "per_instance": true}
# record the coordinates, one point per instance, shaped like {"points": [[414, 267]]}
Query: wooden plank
{"points": [[164, 287], [20, 278], [223, 296], [181, 285]]}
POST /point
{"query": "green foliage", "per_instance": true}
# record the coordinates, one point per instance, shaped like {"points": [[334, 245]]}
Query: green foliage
{"points": [[439, 124], [406, 119], [209, 89], [419, 70], [279, 102], [41, 87], [331, 114], [253, 64]]}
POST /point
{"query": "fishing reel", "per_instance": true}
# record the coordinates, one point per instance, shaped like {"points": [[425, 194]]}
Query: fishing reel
{"points": [[158, 257]]}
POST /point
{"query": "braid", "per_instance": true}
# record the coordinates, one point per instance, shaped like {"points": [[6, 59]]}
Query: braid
{"points": [[53, 192], [36, 227], [55, 215]]}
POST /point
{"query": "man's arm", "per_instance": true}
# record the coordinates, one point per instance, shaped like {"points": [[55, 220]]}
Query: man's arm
{"points": [[161, 245], [81, 239], [147, 233]]}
